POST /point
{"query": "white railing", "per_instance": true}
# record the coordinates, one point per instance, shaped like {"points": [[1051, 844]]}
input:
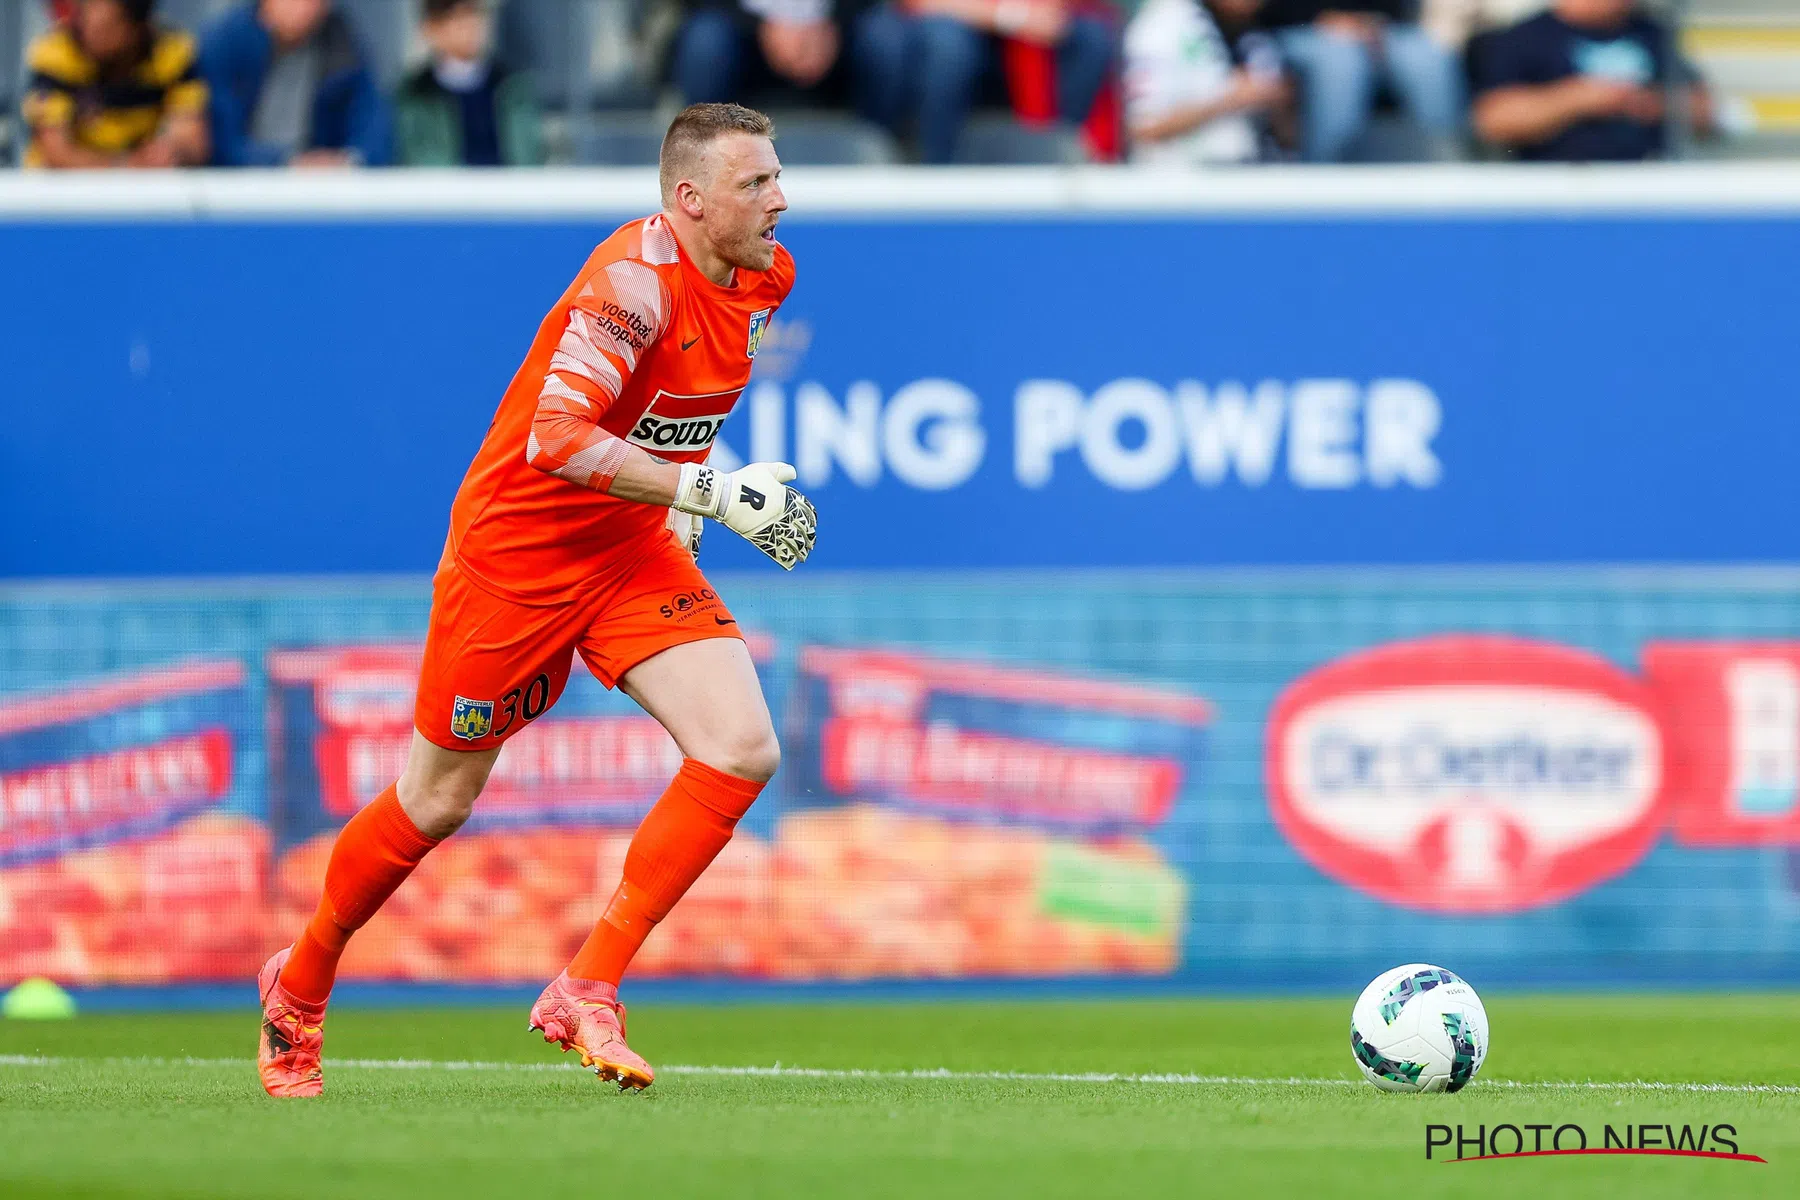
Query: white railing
{"points": [[1699, 188]]}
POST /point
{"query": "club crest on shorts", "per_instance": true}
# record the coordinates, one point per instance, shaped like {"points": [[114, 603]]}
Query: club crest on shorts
{"points": [[759, 324], [471, 719]]}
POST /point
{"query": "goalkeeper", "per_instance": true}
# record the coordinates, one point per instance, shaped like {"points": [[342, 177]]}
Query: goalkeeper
{"points": [[574, 532]]}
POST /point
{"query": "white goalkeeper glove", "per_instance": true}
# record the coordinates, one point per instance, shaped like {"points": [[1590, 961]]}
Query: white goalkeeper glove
{"points": [[755, 502]]}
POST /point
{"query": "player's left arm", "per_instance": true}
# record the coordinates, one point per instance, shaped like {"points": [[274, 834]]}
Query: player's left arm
{"points": [[755, 501]]}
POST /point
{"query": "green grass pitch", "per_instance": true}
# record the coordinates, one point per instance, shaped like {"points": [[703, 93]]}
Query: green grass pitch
{"points": [[168, 1105]]}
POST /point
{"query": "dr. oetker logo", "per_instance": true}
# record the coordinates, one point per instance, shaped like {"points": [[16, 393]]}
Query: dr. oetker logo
{"points": [[1467, 773]]}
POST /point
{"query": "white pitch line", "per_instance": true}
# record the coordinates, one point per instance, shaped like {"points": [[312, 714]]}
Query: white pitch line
{"points": [[779, 1071]]}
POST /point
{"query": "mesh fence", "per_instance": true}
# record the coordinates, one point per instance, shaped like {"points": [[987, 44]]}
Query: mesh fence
{"points": [[1251, 780]]}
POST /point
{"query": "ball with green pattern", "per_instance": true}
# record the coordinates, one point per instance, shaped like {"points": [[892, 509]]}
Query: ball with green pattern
{"points": [[1419, 1028]]}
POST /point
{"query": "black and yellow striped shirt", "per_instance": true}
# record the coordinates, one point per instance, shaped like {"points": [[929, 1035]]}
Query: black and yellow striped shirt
{"points": [[109, 116]]}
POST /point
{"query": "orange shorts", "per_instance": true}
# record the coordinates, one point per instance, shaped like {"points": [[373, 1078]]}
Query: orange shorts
{"points": [[492, 666]]}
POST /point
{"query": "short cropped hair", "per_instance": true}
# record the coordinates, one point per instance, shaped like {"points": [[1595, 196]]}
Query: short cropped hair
{"points": [[437, 10], [696, 127]]}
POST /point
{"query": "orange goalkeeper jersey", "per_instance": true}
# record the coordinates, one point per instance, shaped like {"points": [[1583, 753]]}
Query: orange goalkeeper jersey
{"points": [[642, 350]]}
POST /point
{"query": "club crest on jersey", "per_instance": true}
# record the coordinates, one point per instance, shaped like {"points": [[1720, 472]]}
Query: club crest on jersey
{"points": [[674, 423], [759, 323], [471, 719]]}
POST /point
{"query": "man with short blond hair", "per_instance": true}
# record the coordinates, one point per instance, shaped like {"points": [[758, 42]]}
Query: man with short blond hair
{"points": [[695, 131], [578, 519]]}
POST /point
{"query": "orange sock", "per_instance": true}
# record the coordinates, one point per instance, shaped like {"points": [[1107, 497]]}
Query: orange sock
{"points": [[678, 840], [373, 855]]}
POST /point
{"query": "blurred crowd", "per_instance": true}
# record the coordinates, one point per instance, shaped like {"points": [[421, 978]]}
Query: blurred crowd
{"points": [[268, 83]]}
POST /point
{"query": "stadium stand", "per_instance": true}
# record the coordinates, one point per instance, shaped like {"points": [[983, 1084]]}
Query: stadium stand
{"points": [[30, 21], [625, 139], [807, 139], [989, 140], [597, 66], [1750, 52], [387, 30], [585, 55], [191, 15], [544, 34], [11, 54], [621, 68], [830, 140]]}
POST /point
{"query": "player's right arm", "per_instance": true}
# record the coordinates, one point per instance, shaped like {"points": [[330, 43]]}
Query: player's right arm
{"points": [[620, 312]]}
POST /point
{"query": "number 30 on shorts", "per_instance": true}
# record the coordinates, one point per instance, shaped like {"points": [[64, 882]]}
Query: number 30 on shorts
{"points": [[529, 701]]}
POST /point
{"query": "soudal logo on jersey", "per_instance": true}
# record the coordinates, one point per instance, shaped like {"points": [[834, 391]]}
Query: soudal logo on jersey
{"points": [[1468, 774], [940, 766], [685, 424]]}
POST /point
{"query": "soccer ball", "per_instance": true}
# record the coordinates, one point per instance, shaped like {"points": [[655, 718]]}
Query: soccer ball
{"points": [[1419, 1028]]}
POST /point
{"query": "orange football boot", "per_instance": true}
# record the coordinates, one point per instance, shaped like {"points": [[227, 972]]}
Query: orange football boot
{"points": [[293, 1036], [585, 1015]]}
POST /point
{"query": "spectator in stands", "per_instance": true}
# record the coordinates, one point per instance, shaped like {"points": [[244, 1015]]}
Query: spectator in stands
{"points": [[929, 60], [1201, 83], [111, 88], [462, 107], [1584, 82], [1342, 49], [291, 86], [727, 50]]}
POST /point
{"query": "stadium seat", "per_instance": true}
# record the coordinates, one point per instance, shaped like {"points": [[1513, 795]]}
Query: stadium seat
{"points": [[583, 52], [191, 15], [1002, 141], [1392, 137], [1761, 144], [620, 72], [386, 30], [811, 139], [1749, 52], [33, 20], [538, 35], [619, 140], [11, 67], [543, 36]]}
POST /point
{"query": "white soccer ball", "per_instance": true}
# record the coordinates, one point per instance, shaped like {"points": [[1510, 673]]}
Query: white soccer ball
{"points": [[1419, 1028]]}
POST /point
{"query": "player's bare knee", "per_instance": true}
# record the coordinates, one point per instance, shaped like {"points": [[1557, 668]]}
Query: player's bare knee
{"points": [[439, 807], [439, 803], [751, 754], [763, 759]]}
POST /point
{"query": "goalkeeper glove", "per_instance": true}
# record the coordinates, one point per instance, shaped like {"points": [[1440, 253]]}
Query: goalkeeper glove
{"points": [[755, 502]]}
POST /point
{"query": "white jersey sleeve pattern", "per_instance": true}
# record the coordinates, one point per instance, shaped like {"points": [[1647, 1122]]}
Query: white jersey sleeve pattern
{"points": [[616, 317]]}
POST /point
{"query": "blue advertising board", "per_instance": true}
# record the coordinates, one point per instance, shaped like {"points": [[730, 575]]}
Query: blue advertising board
{"points": [[257, 396]]}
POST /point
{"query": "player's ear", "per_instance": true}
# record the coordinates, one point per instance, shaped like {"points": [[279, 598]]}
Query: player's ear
{"points": [[687, 197]]}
